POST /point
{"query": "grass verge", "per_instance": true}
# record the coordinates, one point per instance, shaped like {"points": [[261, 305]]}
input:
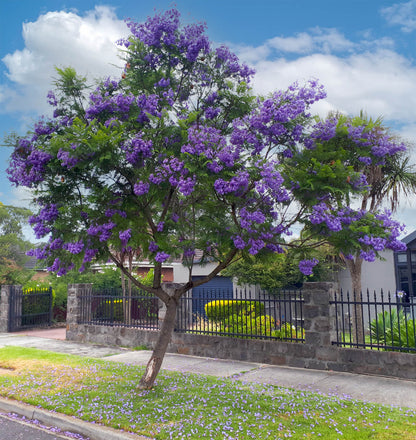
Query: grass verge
{"points": [[189, 406]]}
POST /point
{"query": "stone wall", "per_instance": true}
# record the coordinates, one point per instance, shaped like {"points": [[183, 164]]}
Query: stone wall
{"points": [[316, 353]]}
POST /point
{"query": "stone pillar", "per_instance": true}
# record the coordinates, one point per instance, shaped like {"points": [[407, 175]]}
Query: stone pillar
{"points": [[319, 314], [5, 308], [74, 308]]}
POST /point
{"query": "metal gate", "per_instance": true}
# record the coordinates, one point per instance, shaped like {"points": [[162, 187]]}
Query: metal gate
{"points": [[31, 308]]}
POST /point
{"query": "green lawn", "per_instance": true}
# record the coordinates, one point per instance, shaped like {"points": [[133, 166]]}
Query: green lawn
{"points": [[189, 406]]}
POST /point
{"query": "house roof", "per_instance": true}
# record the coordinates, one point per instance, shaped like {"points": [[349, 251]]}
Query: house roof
{"points": [[409, 238]]}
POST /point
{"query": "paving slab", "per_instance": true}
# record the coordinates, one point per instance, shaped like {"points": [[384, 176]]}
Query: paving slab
{"points": [[377, 389], [188, 364], [59, 346], [50, 333]]}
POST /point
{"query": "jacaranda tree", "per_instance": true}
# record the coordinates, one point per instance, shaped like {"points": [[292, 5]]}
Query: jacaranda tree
{"points": [[365, 146], [179, 156]]}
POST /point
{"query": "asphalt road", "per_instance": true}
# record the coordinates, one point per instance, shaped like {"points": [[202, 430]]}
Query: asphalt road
{"points": [[15, 429]]}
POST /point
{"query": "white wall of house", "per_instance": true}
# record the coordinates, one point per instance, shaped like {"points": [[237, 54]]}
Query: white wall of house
{"points": [[181, 272], [375, 276]]}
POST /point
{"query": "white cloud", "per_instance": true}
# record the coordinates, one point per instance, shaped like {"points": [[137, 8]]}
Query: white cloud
{"points": [[381, 82], [402, 14], [371, 77], [20, 196], [317, 40], [301, 43], [61, 39]]}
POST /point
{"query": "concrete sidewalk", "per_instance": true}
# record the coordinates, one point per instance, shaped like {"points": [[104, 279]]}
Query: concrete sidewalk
{"points": [[397, 392]]}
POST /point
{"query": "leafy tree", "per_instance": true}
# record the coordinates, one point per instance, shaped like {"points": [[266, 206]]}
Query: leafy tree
{"points": [[276, 271], [107, 278], [179, 156], [13, 245], [358, 145]]}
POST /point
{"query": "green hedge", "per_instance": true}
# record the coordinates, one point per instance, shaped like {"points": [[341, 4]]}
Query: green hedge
{"points": [[242, 318], [219, 310], [289, 331]]}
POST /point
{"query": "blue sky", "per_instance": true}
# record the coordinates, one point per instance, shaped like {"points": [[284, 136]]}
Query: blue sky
{"points": [[363, 51]]}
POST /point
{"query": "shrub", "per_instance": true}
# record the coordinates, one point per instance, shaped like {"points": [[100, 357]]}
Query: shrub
{"points": [[264, 324], [393, 329], [289, 331], [238, 324], [219, 310], [248, 318], [242, 324]]}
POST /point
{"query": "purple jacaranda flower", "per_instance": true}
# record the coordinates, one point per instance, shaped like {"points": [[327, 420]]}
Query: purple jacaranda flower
{"points": [[239, 242], [125, 235], [141, 188], [161, 257], [153, 247], [74, 248], [306, 266], [52, 99]]}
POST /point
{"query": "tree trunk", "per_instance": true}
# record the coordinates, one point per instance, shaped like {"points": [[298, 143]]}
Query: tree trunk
{"points": [[123, 284], [354, 267], [128, 303], [155, 362]]}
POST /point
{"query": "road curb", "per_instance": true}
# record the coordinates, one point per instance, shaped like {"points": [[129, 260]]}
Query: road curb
{"points": [[66, 423]]}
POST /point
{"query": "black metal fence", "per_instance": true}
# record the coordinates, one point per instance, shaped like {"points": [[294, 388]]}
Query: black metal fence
{"points": [[249, 314], [111, 307], [29, 308], [375, 321], [244, 313]]}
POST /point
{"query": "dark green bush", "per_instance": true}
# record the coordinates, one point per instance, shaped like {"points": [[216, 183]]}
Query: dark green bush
{"points": [[393, 329]]}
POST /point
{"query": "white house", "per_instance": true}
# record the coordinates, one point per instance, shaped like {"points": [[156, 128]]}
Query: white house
{"points": [[375, 276]]}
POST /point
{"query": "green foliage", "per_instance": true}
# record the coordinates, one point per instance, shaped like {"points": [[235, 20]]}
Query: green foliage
{"points": [[146, 280], [35, 304], [12, 219], [40, 285], [394, 329], [289, 331], [248, 318], [241, 317], [222, 309], [264, 324], [107, 278], [272, 271], [71, 90], [141, 304], [13, 246]]}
